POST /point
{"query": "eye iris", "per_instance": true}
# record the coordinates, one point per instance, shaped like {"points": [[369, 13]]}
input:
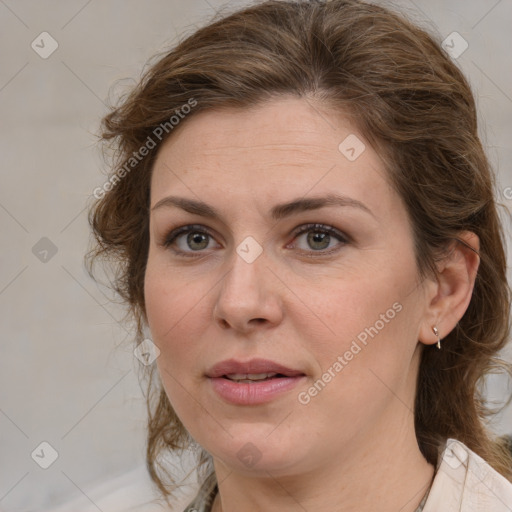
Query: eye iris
{"points": [[316, 236], [197, 238]]}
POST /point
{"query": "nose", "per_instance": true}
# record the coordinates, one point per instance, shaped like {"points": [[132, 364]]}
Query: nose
{"points": [[249, 296]]}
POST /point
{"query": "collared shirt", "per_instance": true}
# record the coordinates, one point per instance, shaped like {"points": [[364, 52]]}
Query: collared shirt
{"points": [[463, 482]]}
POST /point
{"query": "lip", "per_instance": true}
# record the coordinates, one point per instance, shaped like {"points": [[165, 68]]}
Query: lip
{"points": [[244, 393], [252, 366]]}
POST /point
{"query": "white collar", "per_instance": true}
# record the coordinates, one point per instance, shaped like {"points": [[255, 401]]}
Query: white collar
{"points": [[464, 482]]}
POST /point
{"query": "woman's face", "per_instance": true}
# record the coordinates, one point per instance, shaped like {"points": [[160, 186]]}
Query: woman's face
{"points": [[339, 305]]}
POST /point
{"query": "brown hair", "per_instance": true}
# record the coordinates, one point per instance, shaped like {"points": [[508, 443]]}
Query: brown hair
{"points": [[409, 100]]}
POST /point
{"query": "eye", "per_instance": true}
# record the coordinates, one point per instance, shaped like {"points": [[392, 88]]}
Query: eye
{"points": [[196, 240], [319, 238]]}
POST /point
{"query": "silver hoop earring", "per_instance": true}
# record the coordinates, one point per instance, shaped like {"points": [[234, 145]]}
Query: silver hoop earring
{"points": [[436, 332]]}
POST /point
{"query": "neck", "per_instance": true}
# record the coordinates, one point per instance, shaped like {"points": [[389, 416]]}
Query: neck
{"points": [[387, 473]]}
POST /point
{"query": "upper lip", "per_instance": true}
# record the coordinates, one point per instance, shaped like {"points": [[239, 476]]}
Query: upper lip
{"points": [[231, 366]]}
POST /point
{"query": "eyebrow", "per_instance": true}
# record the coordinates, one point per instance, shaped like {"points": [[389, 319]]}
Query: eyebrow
{"points": [[279, 211]]}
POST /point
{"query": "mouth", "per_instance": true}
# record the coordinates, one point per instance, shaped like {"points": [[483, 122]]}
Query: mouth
{"points": [[253, 370], [251, 378], [253, 382]]}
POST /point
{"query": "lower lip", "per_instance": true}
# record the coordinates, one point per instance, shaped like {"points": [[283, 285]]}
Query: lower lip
{"points": [[244, 393]]}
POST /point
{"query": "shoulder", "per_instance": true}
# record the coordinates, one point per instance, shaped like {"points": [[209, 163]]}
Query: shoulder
{"points": [[130, 492], [464, 482]]}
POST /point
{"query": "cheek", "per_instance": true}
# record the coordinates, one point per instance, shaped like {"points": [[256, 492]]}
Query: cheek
{"points": [[172, 308], [158, 300], [363, 358], [362, 330], [170, 305], [344, 308]]}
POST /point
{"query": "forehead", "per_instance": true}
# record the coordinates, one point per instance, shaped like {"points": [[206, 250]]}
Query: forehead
{"points": [[288, 146]]}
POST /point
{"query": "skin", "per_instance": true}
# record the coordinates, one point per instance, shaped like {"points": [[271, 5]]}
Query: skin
{"points": [[297, 305]]}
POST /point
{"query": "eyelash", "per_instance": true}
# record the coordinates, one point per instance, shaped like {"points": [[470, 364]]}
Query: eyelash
{"points": [[319, 228]]}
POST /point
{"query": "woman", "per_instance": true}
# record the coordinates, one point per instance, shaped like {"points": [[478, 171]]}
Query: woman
{"points": [[302, 215]]}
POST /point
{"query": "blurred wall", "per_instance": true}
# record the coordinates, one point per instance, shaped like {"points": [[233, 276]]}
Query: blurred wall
{"points": [[67, 372]]}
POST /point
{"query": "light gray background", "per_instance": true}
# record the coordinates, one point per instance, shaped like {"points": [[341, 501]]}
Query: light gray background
{"points": [[68, 375]]}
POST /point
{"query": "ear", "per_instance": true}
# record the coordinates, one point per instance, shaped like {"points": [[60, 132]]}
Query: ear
{"points": [[448, 294]]}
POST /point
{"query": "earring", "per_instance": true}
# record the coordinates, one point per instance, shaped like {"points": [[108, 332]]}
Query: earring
{"points": [[436, 332]]}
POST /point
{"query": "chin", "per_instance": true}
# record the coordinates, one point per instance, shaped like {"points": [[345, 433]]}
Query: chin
{"points": [[255, 452]]}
